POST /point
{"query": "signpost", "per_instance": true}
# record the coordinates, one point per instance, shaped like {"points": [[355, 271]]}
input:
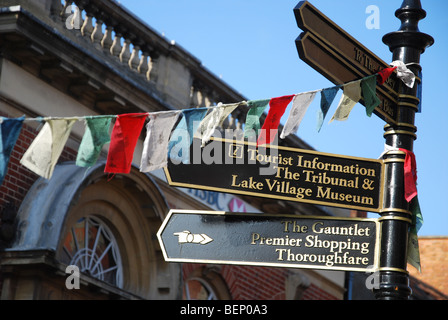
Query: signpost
{"points": [[312, 177], [346, 244], [282, 173], [340, 58]]}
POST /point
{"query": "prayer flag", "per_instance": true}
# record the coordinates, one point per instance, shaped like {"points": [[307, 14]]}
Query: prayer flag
{"points": [[277, 107], [351, 96], [384, 74], [300, 104], [327, 97], [419, 91], [252, 125], [125, 134], [9, 133], [403, 73], [214, 119], [43, 153], [155, 147], [413, 257], [368, 88], [182, 136], [410, 175], [95, 136]]}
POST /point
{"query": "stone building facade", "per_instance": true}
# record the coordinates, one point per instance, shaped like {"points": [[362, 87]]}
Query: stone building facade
{"points": [[94, 57]]}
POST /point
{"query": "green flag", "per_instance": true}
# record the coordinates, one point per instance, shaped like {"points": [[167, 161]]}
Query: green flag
{"points": [[95, 136], [368, 88], [417, 222], [253, 126]]}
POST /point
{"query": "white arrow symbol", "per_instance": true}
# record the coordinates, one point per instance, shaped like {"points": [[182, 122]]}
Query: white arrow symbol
{"points": [[188, 237]]}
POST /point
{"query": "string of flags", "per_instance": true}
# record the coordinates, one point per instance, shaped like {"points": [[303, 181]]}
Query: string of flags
{"points": [[42, 155], [161, 140]]}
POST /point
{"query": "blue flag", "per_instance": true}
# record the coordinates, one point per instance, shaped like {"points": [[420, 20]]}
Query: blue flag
{"points": [[327, 97], [9, 133], [419, 91], [182, 136]]}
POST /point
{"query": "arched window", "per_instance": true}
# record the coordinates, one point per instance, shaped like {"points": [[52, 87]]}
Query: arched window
{"points": [[204, 283], [91, 246], [198, 289], [106, 227]]}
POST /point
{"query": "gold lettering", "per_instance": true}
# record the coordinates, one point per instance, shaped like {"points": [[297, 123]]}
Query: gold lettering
{"points": [[246, 184], [254, 155], [255, 237], [330, 195], [287, 174], [296, 228]]}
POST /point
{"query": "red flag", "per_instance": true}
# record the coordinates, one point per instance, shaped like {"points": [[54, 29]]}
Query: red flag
{"points": [[384, 74], [123, 140], [277, 107], [410, 175]]}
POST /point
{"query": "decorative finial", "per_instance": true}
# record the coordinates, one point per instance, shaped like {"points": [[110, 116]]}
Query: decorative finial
{"points": [[409, 35]]}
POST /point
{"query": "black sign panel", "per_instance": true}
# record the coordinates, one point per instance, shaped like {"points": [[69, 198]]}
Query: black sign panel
{"points": [[270, 240], [340, 58], [240, 167]]}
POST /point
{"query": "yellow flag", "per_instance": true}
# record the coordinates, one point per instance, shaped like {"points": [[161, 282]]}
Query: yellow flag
{"points": [[43, 153], [350, 97]]}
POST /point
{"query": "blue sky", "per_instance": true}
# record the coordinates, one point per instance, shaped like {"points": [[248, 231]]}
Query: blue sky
{"points": [[251, 45]]}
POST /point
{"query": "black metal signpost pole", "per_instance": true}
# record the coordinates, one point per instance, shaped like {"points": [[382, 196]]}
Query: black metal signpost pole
{"points": [[406, 44]]}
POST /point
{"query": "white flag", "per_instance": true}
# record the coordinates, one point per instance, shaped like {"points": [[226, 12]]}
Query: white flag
{"points": [[351, 96], [155, 147], [403, 73], [300, 104], [214, 119], [43, 153]]}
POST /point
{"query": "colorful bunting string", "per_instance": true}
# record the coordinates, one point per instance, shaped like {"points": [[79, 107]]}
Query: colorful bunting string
{"points": [[162, 141]]}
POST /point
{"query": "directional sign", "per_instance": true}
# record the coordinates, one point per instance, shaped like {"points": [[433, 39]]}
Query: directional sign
{"points": [[349, 244], [188, 237], [340, 58], [235, 166]]}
